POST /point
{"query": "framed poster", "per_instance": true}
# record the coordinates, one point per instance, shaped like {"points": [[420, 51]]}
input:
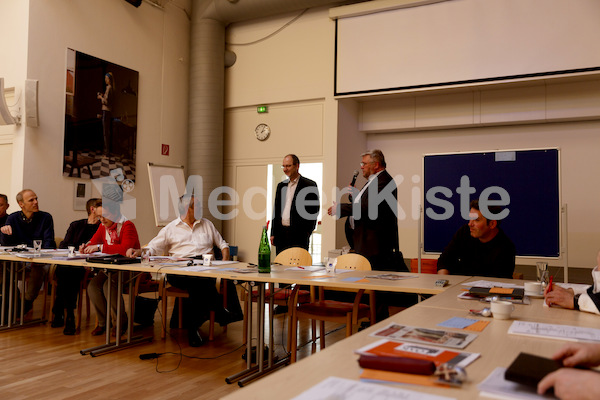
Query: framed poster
{"points": [[100, 117]]}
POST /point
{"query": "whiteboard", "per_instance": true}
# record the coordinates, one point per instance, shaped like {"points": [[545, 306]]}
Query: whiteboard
{"points": [[167, 184]]}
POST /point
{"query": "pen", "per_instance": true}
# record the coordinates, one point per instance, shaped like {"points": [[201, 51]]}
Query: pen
{"points": [[301, 267], [550, 284]]}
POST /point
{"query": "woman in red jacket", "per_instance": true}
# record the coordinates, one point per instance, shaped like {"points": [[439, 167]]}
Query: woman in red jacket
{"points": [[114, 236]]}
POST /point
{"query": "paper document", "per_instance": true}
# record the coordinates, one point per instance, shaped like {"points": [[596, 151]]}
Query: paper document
{"points": [[391, 277], [334, 388], [310, 268], [554, 331], [490, 284], [402, 333], [496, 387]]}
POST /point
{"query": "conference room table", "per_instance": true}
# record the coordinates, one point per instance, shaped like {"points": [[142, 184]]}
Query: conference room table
{"points": [[414, 283], [497, 348]]}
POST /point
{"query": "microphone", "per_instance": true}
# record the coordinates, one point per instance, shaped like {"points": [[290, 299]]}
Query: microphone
{"points": [[354, 178]]}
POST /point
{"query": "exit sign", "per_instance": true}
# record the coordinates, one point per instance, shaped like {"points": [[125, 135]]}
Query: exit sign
{"points": [[262, 109]]}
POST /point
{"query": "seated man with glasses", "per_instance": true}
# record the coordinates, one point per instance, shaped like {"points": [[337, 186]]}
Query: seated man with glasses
{"points": [[190, 235]]}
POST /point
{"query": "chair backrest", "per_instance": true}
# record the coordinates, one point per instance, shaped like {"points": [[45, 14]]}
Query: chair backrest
{"points": [[518, 275], [294, 256], [353, 261], [428, 265]]}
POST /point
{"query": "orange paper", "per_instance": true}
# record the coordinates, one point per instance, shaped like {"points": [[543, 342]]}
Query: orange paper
{"points": [[477, 326], [501, 290]]}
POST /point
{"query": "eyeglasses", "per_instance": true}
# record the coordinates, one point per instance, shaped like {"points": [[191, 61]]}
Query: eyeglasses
{"points": [[362, 164]]}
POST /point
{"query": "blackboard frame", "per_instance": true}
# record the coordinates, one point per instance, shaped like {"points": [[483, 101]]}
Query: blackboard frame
{"points": [[530, 176]]}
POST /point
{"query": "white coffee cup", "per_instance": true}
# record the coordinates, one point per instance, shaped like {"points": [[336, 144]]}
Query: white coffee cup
{"points": [[206, 259], [501, 309], [533, 288]]}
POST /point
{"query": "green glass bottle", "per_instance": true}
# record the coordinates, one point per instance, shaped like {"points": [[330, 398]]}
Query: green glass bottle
{"points": [[264, 253]]}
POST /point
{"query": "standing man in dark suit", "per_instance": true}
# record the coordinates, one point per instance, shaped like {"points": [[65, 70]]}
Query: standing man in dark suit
{"points": [[374, 221], [296, 208]]}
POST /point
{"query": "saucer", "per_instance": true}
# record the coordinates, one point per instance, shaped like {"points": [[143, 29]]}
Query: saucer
{"points": [[535, 295]]}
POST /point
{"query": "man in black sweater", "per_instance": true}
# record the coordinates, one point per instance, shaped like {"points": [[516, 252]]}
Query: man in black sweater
{"points": [[69, 278], [479, 248]]}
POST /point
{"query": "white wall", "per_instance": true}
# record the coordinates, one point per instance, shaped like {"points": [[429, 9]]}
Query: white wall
{"points": [[146, 39], [292, 72], [13, 50], [298, 70]]}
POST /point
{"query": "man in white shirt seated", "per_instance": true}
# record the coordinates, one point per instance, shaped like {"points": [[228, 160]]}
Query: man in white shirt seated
{"points": [[583, 300], [190, 235]]}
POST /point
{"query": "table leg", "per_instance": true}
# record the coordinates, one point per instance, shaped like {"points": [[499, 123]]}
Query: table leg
{"points": [[131, 341], [259, 370], [8, 317]]}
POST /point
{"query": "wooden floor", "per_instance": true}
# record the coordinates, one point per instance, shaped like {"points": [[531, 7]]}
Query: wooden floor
{"points": [[39, 362]]}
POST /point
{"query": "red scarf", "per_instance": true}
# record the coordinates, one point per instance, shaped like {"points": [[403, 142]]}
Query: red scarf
{"points": [[112, 232]]}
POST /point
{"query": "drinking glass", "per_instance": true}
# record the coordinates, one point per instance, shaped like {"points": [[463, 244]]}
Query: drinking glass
{"points": [[37, 247], [329, 265], [544, 278], [541, 266], [146, 256]]}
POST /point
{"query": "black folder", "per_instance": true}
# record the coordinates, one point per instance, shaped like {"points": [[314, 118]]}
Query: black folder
{"points": [[529, 369], [113, 259]]}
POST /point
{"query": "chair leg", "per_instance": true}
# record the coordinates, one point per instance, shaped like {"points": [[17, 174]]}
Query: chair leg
{"points": [[294, 336], [52, 300], [46, 287], [211, 327], [349, 325], [322, 334], [180, 311], [164, 300], [79, 309]]}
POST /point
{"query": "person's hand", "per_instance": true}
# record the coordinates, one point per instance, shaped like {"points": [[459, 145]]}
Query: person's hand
{"points": [[272, 240], [6, 229], [133, 253], [575, 354], [569, 383], [560, 297], [90, 249], [331, 210]]}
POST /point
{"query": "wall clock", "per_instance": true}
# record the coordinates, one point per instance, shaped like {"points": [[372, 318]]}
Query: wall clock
{"points": [[262, 131]]}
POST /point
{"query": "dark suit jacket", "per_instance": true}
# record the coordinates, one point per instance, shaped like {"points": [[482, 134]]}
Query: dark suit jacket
{"points": [[302, 227], [375, 236]]}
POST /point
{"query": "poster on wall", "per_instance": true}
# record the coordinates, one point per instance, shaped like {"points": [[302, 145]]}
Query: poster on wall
{"points": [[101, 100]]}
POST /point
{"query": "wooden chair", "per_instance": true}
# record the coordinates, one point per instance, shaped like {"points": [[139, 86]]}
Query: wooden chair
{"points": [[165, 291], [428, 265], [331, 310], [292, 257]]}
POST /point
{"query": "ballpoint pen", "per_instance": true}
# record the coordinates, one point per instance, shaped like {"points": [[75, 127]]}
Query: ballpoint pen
{"points": [[550, 284]]}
